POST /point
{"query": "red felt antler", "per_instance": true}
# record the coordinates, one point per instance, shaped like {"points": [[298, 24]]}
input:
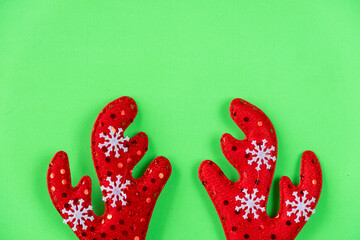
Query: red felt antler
{"points": [[129, 202], [241, 205]]}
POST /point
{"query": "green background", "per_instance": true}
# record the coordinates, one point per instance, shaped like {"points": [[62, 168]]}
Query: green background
{"points": [[183, 62]]}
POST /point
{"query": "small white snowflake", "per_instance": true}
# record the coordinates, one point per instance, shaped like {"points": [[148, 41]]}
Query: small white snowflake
{"points": [[301, 206], [250, 203], [115, 190], [261, 155], [77, 215], [114, 142]]}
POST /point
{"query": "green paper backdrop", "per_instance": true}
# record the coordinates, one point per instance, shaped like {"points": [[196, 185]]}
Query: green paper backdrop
{"points": [[183, 62]]}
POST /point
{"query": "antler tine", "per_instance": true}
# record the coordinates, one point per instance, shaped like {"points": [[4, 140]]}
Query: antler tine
{"points": [[259, 133], [59, 183]]}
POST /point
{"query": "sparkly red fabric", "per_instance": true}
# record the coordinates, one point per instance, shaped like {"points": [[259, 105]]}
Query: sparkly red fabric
{"points": [[129, 202], [241, 205]]}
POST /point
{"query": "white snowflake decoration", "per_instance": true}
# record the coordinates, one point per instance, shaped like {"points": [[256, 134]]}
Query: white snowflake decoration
{"points": [[301, 206], [261, 155], [114, 141], [250, 203], [115, 190], [77, 215]]}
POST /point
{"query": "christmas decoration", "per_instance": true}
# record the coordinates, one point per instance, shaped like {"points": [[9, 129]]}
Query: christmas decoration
{"points": [[241, 205], [129, 202]]}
